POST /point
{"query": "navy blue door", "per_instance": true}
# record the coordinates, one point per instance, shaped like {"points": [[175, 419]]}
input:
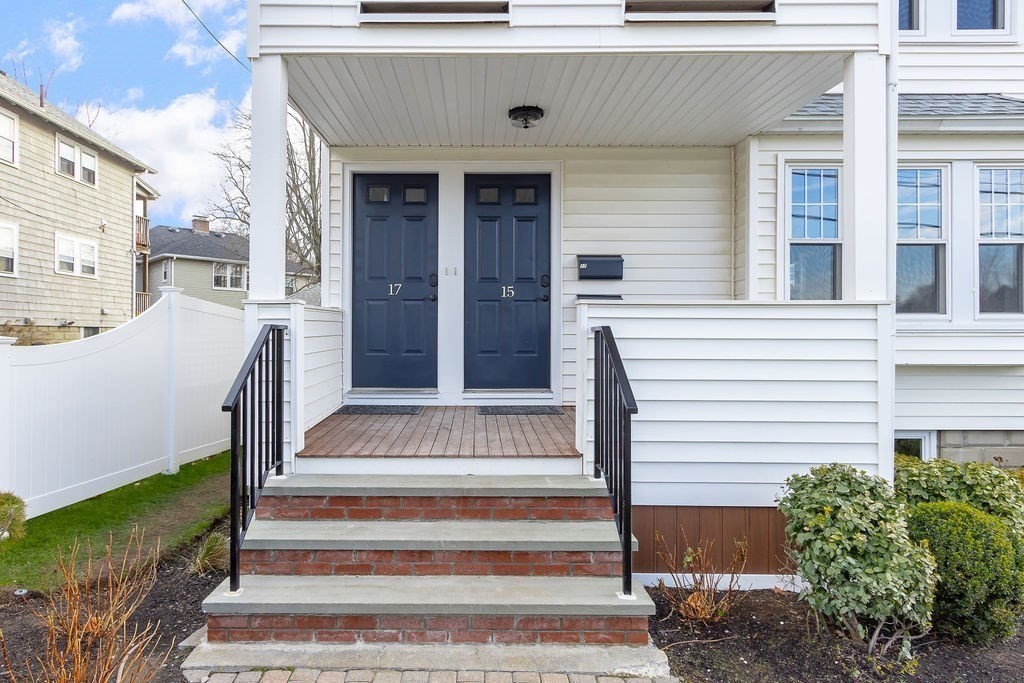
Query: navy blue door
{"points": [[508, 282], [394, 281]]}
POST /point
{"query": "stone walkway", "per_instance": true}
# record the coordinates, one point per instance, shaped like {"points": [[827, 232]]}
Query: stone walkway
{"points": [[365, 676]]}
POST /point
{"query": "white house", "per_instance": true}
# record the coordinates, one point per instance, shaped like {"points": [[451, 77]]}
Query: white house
{"points": [[793, 276]]}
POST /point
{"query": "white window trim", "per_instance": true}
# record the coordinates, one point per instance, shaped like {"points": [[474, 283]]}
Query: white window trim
{"points": [[213, 276], [14, 227], [785, 213], [17, 138], [947, 223], [922, 20], [984, 33], [977, 241], [78, 242], [79, 149], [929, 441]]}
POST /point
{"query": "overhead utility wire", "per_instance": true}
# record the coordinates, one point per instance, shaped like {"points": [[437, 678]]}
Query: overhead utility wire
{"points": [[214, 36]]}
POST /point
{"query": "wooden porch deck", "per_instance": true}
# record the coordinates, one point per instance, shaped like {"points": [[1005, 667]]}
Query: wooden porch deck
{"points": [[451, 432]]}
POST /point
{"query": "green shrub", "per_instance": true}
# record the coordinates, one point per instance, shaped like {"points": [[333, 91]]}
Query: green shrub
{"points": [[978, 598], [907, 461], [986, 487], [861, 570], [1017, 474], [12, 517]]}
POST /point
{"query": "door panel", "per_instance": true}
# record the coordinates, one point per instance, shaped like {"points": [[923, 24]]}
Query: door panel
{"points": [[394, 281], [507, 283]]}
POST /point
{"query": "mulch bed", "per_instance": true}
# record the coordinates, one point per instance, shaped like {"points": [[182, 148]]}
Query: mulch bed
{"points": [[771, 637], [175, 601]]}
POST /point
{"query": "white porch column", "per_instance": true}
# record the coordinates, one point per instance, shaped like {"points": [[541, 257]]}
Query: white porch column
{"points": [[866, 178], [269, 176]]}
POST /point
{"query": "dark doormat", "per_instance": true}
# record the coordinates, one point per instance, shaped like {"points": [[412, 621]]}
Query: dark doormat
{"points": [[519, 410], [379, 410]]}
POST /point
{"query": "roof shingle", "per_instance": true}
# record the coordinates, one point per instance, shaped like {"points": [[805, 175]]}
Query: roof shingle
{"points": [[831, 105], [167, 240]]}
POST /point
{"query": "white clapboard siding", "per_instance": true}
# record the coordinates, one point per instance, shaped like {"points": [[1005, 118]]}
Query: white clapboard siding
{"points": [[91, 415], [735, 397], [957, 397], [323, 350], [317, 26]]}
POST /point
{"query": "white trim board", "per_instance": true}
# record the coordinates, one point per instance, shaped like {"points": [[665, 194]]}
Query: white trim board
{"points": [[451, 257], [747, 582]]}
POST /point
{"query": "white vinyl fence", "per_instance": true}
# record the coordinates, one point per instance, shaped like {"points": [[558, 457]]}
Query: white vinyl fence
{"points": [[85, 417]]}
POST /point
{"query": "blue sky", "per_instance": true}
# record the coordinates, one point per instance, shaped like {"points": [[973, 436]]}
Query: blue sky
{"points": [[143, 73]]}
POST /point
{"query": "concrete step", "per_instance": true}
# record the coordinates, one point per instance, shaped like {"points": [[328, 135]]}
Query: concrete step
{"points": [[439, 485], [584, 536], [414, 609]]}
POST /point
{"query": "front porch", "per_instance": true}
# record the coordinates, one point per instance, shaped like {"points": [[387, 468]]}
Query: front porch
{"points": [[439, 431]]}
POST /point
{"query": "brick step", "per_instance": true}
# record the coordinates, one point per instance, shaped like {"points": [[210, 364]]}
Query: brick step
{"points": [[436, 609], [434, 497], [432, 548]]}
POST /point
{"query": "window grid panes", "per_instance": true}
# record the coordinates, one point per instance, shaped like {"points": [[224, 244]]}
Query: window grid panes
{"points": [[1001, 231], [980, 15], [814, 249], [909, 15], [920, 251], [8, 247], [7, 137]]}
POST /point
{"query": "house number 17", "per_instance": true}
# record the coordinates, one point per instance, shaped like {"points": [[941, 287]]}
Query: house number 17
{"points": [[394, 289], [508, 291]]}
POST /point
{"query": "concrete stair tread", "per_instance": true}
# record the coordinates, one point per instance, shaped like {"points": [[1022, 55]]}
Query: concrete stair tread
{"points": [[584, 536], [434, 485], [430, 595]]}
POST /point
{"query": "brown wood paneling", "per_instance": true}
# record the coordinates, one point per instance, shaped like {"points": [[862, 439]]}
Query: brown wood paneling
{"points": [[448, 431], [763, 527]]}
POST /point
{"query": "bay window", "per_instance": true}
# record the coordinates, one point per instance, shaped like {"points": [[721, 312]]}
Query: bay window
{"points": [[921, 245], [815, 250], [1001, 240]]}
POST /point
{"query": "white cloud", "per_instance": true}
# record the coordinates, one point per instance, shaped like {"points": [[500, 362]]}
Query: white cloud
{"points": [[178, 140], [19, 52], [134, 95], [62, 39], [192, 46], [171, 12]]}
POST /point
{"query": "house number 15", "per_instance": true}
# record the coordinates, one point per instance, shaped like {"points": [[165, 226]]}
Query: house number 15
{"points": [[507, 291], [394, 289]]}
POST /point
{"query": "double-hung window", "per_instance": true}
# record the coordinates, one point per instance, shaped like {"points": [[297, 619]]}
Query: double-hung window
{"points": [[229, 276], [8, 137], [815, 249], [980, 15], [8, 249], [76, 162], [165, 270], [910, 15], [75, 256], [921, 242], [1001, 240]]}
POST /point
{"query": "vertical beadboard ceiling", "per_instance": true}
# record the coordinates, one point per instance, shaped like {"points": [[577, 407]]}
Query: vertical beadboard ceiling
{"points": [[589, 100]]}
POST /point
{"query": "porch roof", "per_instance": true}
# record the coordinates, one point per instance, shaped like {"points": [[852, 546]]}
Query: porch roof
{"points": [[589, 100]]}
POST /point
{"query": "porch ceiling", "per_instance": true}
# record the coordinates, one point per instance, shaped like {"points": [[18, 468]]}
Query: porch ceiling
{"points": [[589, 100]]}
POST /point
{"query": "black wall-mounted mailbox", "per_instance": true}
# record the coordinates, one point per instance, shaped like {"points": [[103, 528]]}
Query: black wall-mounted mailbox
{"points": [[599, 267]]}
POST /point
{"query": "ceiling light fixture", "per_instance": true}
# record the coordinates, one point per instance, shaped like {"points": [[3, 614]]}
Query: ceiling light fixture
{"points": [[525, 117]]}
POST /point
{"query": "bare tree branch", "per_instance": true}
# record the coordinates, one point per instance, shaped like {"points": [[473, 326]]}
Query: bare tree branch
{"points": [[302, 190]]}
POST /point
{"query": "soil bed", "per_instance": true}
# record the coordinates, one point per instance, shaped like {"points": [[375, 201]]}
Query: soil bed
{"points": [[771, 637], [175, 601]]}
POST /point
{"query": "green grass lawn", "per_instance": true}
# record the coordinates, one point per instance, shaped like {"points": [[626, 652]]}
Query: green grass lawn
{"points": [[174, 509]]}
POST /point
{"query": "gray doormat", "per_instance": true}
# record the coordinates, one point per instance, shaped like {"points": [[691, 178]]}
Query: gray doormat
{"points": [[519, 410], [379, 410]]}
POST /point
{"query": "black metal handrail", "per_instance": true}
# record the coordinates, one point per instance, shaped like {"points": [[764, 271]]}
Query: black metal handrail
{"points": [[256, 404], [614, 405]]}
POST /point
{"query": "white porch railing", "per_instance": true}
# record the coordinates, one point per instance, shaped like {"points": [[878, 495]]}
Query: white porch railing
{"points": [[84, 417], [736, 396]]}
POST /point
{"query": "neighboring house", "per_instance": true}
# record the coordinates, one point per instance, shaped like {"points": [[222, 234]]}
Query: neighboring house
{"points": [[68, 220], [792, 277], [206, 264]]}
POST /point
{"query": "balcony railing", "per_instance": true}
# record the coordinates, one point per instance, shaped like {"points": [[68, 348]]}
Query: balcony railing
{"points": [[142, 234], [142, 302]]}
